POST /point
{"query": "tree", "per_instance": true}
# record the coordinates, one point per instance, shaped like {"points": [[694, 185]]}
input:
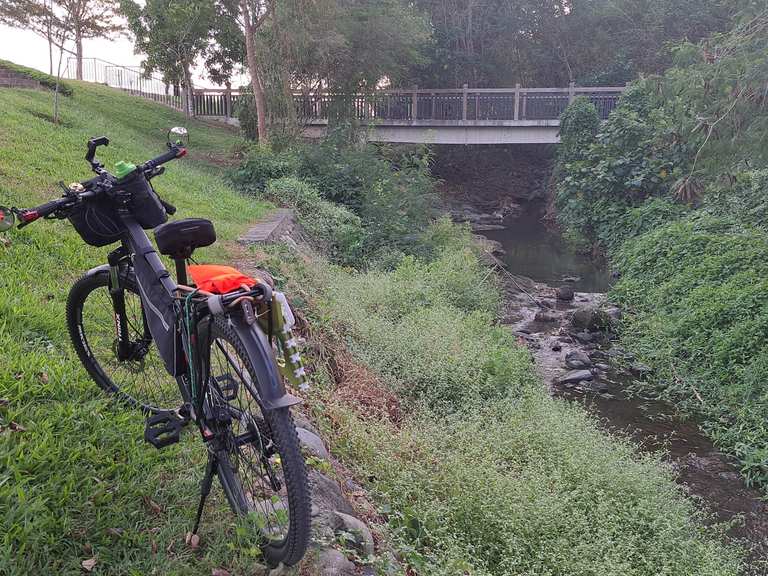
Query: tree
{"points": [[48, 18], [172, 34]]}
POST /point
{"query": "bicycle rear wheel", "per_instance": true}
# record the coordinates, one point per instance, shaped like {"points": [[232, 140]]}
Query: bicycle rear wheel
{"points": [[141, 381], [260, 465]]}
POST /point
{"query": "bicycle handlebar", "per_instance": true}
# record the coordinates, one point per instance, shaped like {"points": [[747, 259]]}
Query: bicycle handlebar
{"points": [[27, 216]]}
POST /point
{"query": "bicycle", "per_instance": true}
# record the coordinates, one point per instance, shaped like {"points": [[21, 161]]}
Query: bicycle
{"points": [[222, 342]]}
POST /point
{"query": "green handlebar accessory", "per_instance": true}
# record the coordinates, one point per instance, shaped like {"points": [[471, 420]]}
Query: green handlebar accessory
{"points": [[122, 169]]}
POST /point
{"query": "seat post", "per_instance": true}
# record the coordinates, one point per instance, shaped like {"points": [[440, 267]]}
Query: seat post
{"points": [[181, 270]]}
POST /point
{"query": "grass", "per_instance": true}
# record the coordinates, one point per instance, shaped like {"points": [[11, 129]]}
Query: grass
{"points": [[475, 468], [76, 479], [45, 79]]}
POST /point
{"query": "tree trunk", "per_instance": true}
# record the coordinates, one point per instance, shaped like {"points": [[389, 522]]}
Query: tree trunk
{"points": [[79, 52], [253, 68], [189, 109]]}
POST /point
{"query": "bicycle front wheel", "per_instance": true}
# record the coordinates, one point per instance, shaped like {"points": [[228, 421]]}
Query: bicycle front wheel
{"points": [[260, 465], [141, 380]]}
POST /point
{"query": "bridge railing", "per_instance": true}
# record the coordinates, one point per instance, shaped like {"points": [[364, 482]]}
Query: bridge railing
{"points": [[464, 105]]}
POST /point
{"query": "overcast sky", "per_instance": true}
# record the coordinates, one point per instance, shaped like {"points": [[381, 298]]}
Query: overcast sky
{"points": [[27, 48]]}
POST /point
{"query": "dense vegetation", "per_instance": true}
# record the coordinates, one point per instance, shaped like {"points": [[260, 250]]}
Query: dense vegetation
{"points": [[674, 188], [77, 481], [361, 202], [475, 468]]}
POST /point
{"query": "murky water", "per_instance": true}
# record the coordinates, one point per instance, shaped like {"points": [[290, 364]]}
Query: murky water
{"points": [[535, 250]]}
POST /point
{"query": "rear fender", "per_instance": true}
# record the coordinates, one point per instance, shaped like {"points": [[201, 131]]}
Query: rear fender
{"points": [[269, 381]]}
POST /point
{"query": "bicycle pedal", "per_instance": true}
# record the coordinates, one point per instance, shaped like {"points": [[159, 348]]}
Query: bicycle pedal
{"points": [[163, 429], [227, 386]]}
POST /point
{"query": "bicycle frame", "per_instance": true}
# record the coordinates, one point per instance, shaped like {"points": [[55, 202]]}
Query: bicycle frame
{"points": [[269, 384]]}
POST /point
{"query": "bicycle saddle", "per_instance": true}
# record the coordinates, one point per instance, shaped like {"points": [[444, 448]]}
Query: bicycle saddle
{"points": [[178, 239]]}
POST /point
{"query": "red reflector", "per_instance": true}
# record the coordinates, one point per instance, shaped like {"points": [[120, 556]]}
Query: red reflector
{"points": [[30, 216], [182, 152]]}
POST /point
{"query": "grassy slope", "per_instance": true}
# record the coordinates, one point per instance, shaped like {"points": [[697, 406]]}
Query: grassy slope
{"points": [[77, 482]]}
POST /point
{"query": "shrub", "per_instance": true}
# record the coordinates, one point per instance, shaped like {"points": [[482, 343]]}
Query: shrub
{"points": [[331, 227], [261, 165], [698, 292], [391, 191]]}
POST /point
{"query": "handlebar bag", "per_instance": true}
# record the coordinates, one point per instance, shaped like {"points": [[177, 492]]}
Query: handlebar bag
{"points": [[145, 205], [97, 222]]}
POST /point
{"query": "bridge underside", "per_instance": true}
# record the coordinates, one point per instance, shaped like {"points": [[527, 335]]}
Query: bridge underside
{"points": [[457, 132]]}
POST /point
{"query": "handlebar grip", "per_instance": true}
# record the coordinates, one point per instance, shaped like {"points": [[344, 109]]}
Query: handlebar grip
{"points": [[170, 209], [172, 154], [29, 216]]}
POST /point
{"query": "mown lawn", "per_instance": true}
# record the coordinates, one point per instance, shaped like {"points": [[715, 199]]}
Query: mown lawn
{"points": [[76, 479]]}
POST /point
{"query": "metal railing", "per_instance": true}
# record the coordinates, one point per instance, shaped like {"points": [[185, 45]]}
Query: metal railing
{"points": [[127, 78], [440, 106], [464, 105]]}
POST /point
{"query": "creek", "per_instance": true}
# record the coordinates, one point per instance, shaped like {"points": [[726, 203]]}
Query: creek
{"points": [[544, 322]]}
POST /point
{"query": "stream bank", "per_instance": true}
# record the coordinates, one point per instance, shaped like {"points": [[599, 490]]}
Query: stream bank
{"points": [[556, 304]]}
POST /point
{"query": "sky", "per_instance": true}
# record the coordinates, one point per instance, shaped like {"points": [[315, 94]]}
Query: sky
{"points": [[29, 49]]}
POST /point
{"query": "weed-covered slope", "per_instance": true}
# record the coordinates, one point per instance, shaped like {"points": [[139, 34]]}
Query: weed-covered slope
{"points": [[476, 469], [76, 479]]}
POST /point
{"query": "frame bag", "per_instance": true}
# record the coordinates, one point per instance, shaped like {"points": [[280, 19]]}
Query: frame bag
{"points": [[156, 288]]}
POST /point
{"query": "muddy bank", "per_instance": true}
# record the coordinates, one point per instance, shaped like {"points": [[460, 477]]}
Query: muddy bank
{"points": [[574, 353]]}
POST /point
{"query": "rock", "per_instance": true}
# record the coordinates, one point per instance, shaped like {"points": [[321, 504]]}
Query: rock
{"points": [[614, 313], [590, 318], [584, 337], [618, 352], [301, 421], [331, 562], [595, 386], [363, 538], [313, 443], [577, 359], [545, 316], [570, 279], [602, 367], [640, 369], [327, 499], [548, 303], [565, 293], [555, 345], [575, 376]]}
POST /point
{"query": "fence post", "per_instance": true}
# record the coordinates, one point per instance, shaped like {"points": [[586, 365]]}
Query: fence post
{"points": [[571, 92], [517, 101], [414, 103], [228, 101], [465, 89]]}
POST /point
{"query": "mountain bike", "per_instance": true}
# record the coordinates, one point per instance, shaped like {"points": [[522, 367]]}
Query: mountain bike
{"points": [[214, 350]]}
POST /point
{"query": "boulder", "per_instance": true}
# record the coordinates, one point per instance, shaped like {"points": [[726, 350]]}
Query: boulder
{"points": [[590, 318], [546, 316], [363, 539], [331, 562], [575, 376], [584, 337], [555, 345], [565, 293], [595, 386], [577, 359], [313, 443]]}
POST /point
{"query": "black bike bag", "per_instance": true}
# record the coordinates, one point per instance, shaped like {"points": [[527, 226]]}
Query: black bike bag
{"points": [[156, 288], [144, 203]]}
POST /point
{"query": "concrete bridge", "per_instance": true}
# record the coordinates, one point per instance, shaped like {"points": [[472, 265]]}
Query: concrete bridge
{"points": [[436, 116]]}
